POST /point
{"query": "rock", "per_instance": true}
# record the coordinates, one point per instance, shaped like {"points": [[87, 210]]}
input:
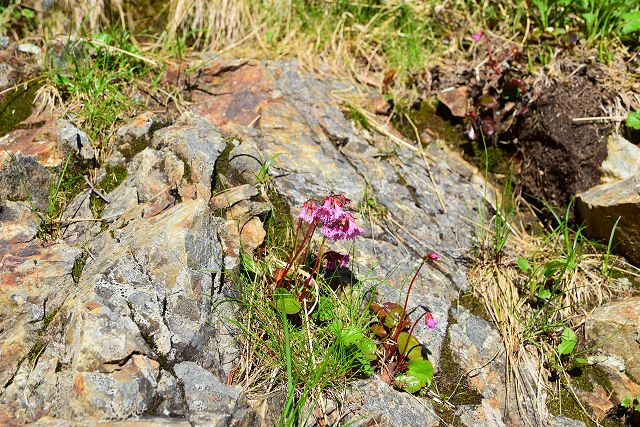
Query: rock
{"points": [[28, 158], [4, 42], [252, 234], [17, 222], [232, 196], [29, 48], [560, 421], [476, 346], [143, 305], [622, 161], [210, 402], [35, 281], [198, 145], [139, 130], [600, 207], [618, 325], [76, 222], [372, 402], [456, 100]]}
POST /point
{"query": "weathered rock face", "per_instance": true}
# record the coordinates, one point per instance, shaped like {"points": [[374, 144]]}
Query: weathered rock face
{"points": [[32, 158], [622, 161], [615, 328], [600, 207], [141, 306]]}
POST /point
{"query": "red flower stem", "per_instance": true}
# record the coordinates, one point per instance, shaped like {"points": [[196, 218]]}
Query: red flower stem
{"points": [[402, 353], [406, 301], [309, 232], [315, 269]]}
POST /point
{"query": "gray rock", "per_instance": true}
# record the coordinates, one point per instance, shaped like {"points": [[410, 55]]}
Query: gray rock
{"points": [[560, 421], [476, 346], [210, 402], [198, 145], [383, 406], [17, 222], [4, 42], [618, 325], [622, 161], [75, 139], [29, 48], [232, 196], [600, 207], [139, 129]]}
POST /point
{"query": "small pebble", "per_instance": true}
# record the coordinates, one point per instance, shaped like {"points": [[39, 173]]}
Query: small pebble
{"points": [[29, 48]]}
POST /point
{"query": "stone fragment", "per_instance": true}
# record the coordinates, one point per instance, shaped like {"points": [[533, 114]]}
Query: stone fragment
{"points": [[618, 325], [28, 158], [198, 145], [622, 161], [600, 207], [17, 222], [127, 391], [211, 402], [29, 48], [373, 402], [456, 100], [252, 234], [232, 196], [561, 421]]}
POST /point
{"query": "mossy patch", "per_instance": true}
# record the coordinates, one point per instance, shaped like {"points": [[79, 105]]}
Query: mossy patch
{"points": [[17, 105], [451, 384], [78, 266], [427, 116], [221, 168], [474, 305], [133, 147], [114, 176]]}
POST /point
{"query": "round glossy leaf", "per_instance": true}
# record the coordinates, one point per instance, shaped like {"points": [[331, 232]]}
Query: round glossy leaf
{"points": [[421, 369], [408, 383], [568, 341], [409, 345]]}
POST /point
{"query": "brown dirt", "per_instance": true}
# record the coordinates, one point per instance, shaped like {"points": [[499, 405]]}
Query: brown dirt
{"points": [[559, 156]]}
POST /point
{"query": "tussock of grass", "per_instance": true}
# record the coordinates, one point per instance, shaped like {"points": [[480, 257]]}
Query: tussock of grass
{"points": [[318, 342], [533, 288]]}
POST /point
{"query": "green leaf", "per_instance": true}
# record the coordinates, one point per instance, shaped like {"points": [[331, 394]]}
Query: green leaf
{"points": [[283, 301], [409, 345], [249, 264], [421, 369], [544, 293], [631, 22], [368, 348], [633, 120], [409, 382], [524, 264], [27, 13], [626, 401], [568, 341], [351, 335], [325, 311]]}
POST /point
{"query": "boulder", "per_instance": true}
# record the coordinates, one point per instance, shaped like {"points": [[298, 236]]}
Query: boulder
{"points": [[622, 161], [600, 207]]}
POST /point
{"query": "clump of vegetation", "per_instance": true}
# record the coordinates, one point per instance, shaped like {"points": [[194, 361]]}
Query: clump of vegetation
{"points": [[312, 310]]}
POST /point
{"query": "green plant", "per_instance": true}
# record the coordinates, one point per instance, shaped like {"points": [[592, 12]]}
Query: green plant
{"points": [[263, 173], [631, 402], [606, 271], [633, 120], [95, 76]]}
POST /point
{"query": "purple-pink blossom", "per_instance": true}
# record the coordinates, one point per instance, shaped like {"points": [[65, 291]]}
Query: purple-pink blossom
{"points": [[430, 321], [306, 214], [433, 256], [331, 209], [336, 260], [477, 36], [343, 229]]}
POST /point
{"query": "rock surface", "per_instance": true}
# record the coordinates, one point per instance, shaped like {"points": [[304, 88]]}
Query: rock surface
{"points": [[600, 207], [615, 328]]}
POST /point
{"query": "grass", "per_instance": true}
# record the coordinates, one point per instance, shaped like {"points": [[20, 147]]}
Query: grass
{"points": [[305, 355]]}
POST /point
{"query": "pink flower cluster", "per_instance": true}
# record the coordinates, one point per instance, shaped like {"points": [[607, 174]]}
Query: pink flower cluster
{"points": [[337, 223]]}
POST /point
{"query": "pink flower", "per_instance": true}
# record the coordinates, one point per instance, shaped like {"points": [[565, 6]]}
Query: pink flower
{"points": [[433, 256], [343, 229], [430, 321], [331, 209], [306, 214], [477, 36], [336, 260]]}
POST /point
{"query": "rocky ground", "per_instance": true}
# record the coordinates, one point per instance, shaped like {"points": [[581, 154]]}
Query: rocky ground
{"points": [[113, 323]]}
